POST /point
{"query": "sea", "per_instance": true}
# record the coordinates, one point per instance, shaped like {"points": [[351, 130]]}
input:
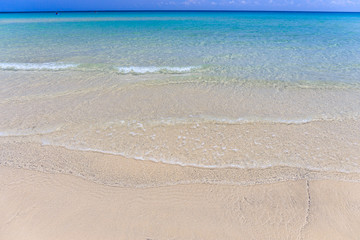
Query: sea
{"points": [[198, 89]]}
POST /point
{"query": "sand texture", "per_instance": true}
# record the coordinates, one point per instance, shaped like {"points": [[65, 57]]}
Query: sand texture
{"points": [[56, 206], [161, 201]]}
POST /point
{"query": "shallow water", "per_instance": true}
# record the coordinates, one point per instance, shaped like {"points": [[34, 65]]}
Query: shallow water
{"points": [[251, 46], [213, 90]]}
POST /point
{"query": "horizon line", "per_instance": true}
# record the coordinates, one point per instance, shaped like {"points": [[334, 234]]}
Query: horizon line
{"points": [[88, 11]]}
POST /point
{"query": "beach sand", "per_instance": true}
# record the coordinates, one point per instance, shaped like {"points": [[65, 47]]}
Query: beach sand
{"points": [[41, 202], [55, 206], [93, 157], [177, 161]]}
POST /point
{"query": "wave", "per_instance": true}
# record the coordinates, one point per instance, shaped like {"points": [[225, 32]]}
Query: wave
{"points": [[165, 161], [124, 70], [153, 69], [204, 166], [36, 66], [225, 120], [200, 119]]}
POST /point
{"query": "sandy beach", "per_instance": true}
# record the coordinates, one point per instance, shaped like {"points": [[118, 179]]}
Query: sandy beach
{"points": [[161, 201], [180, 125], [58, 206], [71, 169]]}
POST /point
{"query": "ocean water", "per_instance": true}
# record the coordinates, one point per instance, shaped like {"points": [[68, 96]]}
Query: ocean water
{"points": [[239, 45], [205, 89]]}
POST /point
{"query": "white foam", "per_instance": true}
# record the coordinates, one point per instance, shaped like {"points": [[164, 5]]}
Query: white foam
{"points": [[225, 120], [36, 66], [153, 69], [206, 166]]}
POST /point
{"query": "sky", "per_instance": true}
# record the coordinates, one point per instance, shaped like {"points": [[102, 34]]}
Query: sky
{"points": [[270, 5]]}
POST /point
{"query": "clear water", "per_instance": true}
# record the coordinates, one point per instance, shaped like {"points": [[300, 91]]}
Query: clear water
{"points": [[206, 89], [229, 45]]}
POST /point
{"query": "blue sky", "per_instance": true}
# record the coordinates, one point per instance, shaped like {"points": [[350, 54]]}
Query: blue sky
{"points": [[284, 5]]}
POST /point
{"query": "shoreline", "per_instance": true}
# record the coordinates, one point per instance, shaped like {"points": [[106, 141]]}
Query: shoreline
{"points": [[119, 171]]}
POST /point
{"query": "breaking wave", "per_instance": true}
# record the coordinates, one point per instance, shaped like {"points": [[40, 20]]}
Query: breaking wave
{"points": [[153, 69], [36, 66]]}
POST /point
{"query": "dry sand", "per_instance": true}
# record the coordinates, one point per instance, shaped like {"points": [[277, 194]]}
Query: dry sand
{"points": [[56, 206], [40, 202]]}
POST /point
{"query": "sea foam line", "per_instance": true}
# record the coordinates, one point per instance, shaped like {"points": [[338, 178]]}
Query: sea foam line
{"points": [[36, 66], [153, 69], [171, 162], [196, 165], [224, 120], [203, 119]]}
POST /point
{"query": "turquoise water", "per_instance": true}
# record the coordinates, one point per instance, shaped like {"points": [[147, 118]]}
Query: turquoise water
{"points": [[249, 46], [205, 89]]}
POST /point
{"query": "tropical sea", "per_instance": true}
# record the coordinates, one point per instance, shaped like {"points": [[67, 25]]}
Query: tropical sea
{"points": [[235, 90]]}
